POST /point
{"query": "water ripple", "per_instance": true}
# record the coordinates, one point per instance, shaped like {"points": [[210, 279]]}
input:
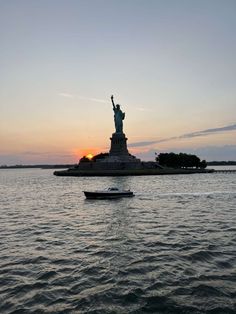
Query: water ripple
{"points": [[171, 249]]}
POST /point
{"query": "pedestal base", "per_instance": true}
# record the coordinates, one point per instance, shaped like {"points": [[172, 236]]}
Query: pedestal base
{"points": [[119, 152], [118, 145]]}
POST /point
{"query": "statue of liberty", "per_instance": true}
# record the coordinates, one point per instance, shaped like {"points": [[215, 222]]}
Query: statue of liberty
{"points": [[118, 117]]}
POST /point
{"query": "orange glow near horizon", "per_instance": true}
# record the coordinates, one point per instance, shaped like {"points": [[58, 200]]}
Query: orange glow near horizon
{"points": [[89, 156], [87, 152]]}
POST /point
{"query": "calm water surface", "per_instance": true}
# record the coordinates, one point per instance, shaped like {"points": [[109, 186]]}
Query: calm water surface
{"points": [[170, 249]]}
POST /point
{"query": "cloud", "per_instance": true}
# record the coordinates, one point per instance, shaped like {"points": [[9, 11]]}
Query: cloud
{"points": [[225, 128], [231, 127], [144, 143], [206, 132], [148, 143], [74, 96], [66, 95], [142, 109], [98, 100], [209, 153]]}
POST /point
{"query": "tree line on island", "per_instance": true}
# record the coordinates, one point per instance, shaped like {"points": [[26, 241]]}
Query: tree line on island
{"points": [[171, 160], [181, 160], [94, 158]]}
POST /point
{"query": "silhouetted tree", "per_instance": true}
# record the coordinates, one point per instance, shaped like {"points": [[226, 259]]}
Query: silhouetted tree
{"points": [[100, 156], [181, 160], [84, 159], [203, 164]]}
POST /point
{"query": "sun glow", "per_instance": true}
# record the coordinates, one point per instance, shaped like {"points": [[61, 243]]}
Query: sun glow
{"points": [[88, 152], [89, 156]]}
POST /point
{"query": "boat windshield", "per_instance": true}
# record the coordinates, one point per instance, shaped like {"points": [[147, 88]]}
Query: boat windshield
{"points": [[113, 189]]}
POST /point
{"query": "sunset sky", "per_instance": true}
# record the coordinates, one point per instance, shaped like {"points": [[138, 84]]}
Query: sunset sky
{"points": [[171, 65]]}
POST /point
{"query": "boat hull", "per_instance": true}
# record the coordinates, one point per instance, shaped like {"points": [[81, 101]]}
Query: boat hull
{"points": [[104, 195]]}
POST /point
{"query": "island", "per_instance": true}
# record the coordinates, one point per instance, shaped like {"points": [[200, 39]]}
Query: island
{"points": [[119, 162]]}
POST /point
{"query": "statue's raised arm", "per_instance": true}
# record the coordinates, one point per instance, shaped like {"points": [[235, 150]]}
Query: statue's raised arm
{"points": [[112, 101]]}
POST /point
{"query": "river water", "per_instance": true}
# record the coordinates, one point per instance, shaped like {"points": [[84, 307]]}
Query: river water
{"points": [[170, 249]]}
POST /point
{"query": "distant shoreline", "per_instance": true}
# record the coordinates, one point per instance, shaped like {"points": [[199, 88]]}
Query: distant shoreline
{"points": [[59, 166], [221, 163]]}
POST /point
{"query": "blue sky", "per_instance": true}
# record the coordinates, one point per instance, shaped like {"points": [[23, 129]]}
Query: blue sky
{"points": [[170, 64]]}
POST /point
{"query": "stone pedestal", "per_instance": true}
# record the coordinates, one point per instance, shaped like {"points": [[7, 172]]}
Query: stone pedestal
{"points": [[119, 154], [118, 145]]}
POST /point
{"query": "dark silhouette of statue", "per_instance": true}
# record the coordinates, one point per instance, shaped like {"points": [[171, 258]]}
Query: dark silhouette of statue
{"points": [[118, 117]]}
